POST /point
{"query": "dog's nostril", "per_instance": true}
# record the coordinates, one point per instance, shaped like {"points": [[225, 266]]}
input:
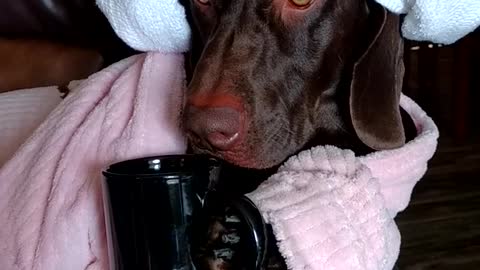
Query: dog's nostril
{"points": [[218, 126]]}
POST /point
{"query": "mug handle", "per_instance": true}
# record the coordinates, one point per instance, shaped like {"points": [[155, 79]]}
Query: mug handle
{"points": [[253, 229], [255, 222]]}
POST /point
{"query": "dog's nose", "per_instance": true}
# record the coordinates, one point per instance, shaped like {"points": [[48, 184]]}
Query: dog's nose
{"points": [[218, 126]]}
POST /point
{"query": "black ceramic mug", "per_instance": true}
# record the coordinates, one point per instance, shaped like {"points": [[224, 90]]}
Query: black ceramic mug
{"points": [[159, 213]]}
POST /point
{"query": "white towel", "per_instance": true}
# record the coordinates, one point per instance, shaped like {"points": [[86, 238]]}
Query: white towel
{"points": [[149, 25], [438, 21], [161, 25]]}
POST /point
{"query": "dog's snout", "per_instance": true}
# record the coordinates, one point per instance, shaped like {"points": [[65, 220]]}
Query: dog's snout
{"points": [[221, 127]]}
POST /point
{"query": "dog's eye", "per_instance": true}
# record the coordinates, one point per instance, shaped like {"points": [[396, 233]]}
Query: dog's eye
{"points": [[301, 3], [204, 2]]}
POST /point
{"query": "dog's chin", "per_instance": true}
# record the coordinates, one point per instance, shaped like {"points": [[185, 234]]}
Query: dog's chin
{"points": [[248, 162], [240, 158]]}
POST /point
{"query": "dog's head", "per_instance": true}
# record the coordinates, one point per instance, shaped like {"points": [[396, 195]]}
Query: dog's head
{"points": [[271, 77]]}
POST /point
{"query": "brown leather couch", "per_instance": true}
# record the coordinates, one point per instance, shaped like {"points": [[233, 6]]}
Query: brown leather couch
{"points": [[51, 42]]}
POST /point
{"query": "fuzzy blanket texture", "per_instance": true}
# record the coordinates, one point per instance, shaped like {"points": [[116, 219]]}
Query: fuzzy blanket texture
{"points": [[50, 189], [332, 210]]}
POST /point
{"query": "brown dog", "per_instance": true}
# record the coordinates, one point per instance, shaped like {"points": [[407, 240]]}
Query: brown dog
{"points": [[272, 77]]}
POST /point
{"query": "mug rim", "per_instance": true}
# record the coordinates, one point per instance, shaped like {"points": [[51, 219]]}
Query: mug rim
{"points": [[151, 166]]}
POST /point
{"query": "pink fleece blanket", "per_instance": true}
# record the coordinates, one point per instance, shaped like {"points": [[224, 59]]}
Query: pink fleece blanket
{"points": [[50, 199], [329, 209], [332, 210]]}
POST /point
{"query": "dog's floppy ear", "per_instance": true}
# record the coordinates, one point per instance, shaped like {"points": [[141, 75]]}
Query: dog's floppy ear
{"points": [[377, 84]]}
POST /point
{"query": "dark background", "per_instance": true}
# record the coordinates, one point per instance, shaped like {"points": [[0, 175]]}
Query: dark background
{"points": [[441, 227]]}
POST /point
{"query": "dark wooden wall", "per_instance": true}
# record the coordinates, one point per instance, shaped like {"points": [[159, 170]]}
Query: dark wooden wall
{"points": [[445, 81], [441, 227]]}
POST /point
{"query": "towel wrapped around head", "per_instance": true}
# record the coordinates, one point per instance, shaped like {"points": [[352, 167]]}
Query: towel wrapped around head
{"points": [[149, 25], [161, 25], [438, 21]]}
